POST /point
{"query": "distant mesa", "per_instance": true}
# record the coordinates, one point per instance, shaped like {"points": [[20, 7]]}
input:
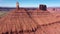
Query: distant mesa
{"points": [[42, 7]]}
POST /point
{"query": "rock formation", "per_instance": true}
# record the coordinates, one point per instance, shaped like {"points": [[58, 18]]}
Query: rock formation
{"points": [[43, 7], [29, 22], [17, 5]]}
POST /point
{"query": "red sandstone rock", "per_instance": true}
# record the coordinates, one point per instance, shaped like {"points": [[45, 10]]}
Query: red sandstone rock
{"points": [[43, 7], [21, 21]]}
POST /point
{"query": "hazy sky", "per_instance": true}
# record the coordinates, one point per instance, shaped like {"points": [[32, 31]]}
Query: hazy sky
{"points": [[30, 3]]}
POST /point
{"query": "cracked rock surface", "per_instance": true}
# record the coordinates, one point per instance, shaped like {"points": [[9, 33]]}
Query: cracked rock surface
{"points": [[30, 22]]}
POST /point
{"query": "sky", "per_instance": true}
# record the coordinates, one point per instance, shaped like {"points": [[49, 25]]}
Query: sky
{"points": [[29, 3]]}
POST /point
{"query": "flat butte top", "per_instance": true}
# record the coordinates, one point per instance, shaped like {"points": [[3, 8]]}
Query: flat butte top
{"points": [[30, 22]]}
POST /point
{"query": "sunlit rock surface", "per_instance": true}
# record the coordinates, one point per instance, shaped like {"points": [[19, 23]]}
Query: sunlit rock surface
{"points": [[30, 22]]}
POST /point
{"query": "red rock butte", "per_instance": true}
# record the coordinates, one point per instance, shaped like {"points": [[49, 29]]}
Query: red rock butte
{"points": [[21, 21]]}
